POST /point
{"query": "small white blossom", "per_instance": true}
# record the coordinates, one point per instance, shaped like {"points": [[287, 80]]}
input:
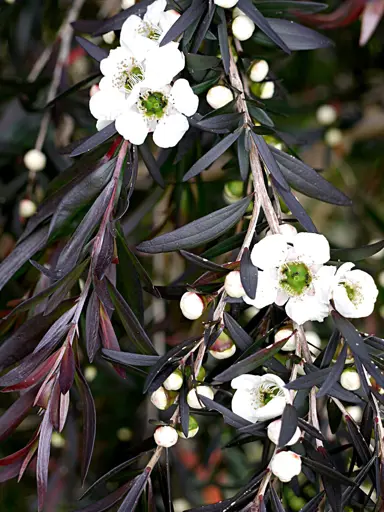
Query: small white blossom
{"points": [[226, 4], [273, 432], [232, 284], [259, 398], [27, 208], [354, 292], [141, 35], [293, 275], [326, 114], [174, 381], [242, 27], [350, 380], [219, 96], [282, 334], [165, 436], [267, 90], [286, 465], [35, 160], [191, 305], [193, 400], [259, 71]]}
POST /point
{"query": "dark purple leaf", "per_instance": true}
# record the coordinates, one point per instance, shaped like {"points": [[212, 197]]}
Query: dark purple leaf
{"points": [[335, 374], [199, 231], [43, 452], [109, 339], [116, 22], [295, 36], [243, 154], [105, 256], [92, 321], [222, 32], [351, 336], [73, 88], [14, 415], [357, 253], [313, 504], [360, 446], [310, 429], [315, 378], [327, 471], [194, 11], [269, 161], [89, 423], [330, 348], [276, 503], [88, 143], [229, 417], [35, 376], [241, 338], [248, 274], [213, 154], [10, 471], [288, 425], [109, 501], [262, 23], [222, 123], [67, 370], [184, 408], [133, 496], [151, 164], [202, 262], [128, 358], [347, 494], [306, 180], [21, 254], [92, 49], [203, 28]]}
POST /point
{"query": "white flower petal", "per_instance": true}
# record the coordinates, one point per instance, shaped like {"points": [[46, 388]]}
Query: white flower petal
{"points": [[167, 19], [274, 408], [162, 65], [270, 252], [129, 28], [107, 105], [323, 282], [132, 127], [154, 11], [133, 40], [365, 294], [101, 123], [266, 291], [309, 307], [271, 378], [343, 269], [183, 97], [245, 381], [241, 405], [282, 297], [169, 130], [312, 247], [109, 64]]}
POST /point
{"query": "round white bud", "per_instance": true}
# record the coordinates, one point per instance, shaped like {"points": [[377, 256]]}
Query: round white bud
{"points": [[350, 380], [35, 160], [218, 96], [165, 436], [273, 433], [109, 37], [233, 286], [193, 428], [193, 399], [267, 90], [326, 115], [287, 230], [226, 4], [286, 465], [242, 28], [10, 2], [126, 4], [57, 440], [259, 71], [174, 381], [314, 342], [355, 412], [223, 348], [191, 305], [333, 137], [162, 399], [90, 373], [27, 208], [284, 333]]}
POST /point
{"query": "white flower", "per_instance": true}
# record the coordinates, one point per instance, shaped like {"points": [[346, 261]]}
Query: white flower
{"points": [[226, 4], [140, 36], [267, 90], [259, 398], [354, 292], [174, 381], [282, 334], [350, 380], [193, 399], [165, 436], [326, 114], [191, 305], [286, 465], [259, 71], [232, 284], [273, 432], [293, 275], [219, 96], [242, 27], [35, 160], [160, 110]]}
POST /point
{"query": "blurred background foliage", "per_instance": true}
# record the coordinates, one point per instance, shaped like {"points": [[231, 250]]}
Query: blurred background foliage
{"points": [[349, 152]]}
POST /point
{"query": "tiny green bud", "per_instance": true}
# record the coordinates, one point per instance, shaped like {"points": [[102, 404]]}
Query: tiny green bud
{"points": [[193, 428]]}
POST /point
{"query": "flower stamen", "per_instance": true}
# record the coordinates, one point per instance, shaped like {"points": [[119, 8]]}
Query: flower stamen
{"points": [[295, 277], [150, 31], [153, 104]]}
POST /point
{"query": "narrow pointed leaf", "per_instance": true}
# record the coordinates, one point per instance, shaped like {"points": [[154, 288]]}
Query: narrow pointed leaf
{"points": [[203, 27], [222, 32], [131, 500], [116, 22], [313, 504], [199, 231], [202, 262], [14, 415], [151, 164], [67, 370], [315, 378], [296, 37], [335, 374], [248, 274], [85, 145], [229, 417], [222, 123], [357, 253], [43, 452], [187, 18], [269, 160], [184, 408], [310, 429], [89, 423], [128, 358], [276, 503], [328, 472], [351, 336], [92, 321], [288, 425], [241, 338], [92, 49], [109, 501], [74, 88]]}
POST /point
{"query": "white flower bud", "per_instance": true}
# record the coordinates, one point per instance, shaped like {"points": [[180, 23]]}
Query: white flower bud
{"points": [[326, 114], [109, 37], [10, 2], [284, 333], [35, 160], [287, 230], [273, 432], [350, 380], [242, 27], [286, 465], [191, 305], [233, 191], [193, 400], [259, 71], [355, 412], [314, 342], [162, 399], [27, 208], [233, 286], [93, 90], [193, 428], [57, 440], [223, 348], [166, 436], [267, 90], [333, 137], [226, 4], [126, 4], [90, 373], [218, 96], [174, 381]]}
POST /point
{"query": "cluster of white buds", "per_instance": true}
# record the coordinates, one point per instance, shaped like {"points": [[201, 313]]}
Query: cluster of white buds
{"points": [[193, 399], [233, 286], [192, 305], [223, 348], [35, 160], [166, 436], [218, 96]]}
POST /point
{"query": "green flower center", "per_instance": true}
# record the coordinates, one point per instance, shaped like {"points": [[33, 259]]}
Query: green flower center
{"points": [[267, 396], [150, 31], [295, 277], [132, 77], [154, 104], [353, 293]]}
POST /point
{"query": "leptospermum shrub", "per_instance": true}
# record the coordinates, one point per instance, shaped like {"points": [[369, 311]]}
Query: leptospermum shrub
{"points": [[201, 309]]}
